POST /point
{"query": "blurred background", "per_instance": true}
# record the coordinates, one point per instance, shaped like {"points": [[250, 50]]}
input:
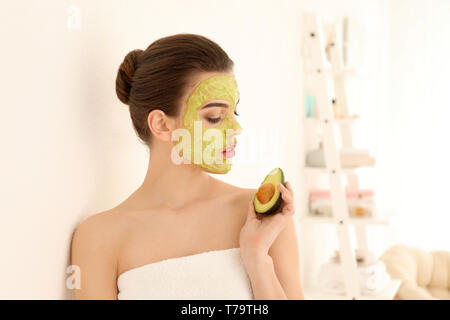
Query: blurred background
{"points": [[69, 150]]}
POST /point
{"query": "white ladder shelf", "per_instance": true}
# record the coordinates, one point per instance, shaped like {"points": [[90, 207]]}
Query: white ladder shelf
{"points": [[318, 69]]}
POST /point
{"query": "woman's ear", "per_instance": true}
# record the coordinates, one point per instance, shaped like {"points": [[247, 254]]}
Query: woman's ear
{"points": [[161, 126]]}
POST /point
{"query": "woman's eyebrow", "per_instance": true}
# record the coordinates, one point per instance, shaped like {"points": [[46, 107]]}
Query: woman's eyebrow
{"points": [[215, 104]]}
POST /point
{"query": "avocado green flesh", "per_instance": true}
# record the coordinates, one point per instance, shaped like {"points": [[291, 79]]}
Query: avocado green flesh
{"points": [[275, 177]]}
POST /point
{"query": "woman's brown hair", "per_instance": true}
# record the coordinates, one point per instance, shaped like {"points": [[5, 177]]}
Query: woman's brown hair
{"points": [[155, 78]]}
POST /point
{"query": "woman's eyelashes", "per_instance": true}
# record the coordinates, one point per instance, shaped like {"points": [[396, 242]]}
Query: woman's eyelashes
{"points": [[214, 117], [214, 120]]}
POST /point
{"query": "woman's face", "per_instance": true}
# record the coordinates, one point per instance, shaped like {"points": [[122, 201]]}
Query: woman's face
{"points": [[210, 117]]}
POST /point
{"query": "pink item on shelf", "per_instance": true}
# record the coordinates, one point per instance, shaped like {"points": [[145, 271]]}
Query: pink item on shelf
{"points": [[325, 194], [360, 202]]}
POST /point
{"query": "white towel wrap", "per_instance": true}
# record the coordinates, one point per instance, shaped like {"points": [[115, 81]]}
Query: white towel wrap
{"points": [[212, 275]]}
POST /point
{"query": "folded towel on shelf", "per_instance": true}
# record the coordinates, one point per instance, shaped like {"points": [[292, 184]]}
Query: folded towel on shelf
{"points": [[350, 158]]}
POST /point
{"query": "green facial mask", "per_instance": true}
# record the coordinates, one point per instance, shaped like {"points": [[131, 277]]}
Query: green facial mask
{"points": [[210, 141]]}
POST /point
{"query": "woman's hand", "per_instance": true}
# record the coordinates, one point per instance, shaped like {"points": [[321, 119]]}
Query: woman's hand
{"points": [[258, 234]]}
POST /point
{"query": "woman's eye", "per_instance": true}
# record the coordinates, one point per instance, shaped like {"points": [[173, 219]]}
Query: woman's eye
{"points": [[214, 120]]}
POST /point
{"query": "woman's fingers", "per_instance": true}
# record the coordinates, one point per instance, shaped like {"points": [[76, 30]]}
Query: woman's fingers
{"points": [[289, 187], [289, 209], [286, 194]]}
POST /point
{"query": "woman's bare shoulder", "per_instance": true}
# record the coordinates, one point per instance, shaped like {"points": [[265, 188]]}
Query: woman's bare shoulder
{"points": [[238, 194], [238, 197], [100, 231], [245, 194]]}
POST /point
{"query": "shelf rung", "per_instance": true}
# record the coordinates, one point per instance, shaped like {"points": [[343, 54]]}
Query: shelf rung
{"points": [[377, 220], [343, 170], [337, 121], [308, 69]]}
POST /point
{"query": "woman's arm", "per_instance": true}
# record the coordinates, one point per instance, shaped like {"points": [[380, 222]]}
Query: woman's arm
{"points": [[274, 276], [264, 281], [94, 254], [285, 255]]}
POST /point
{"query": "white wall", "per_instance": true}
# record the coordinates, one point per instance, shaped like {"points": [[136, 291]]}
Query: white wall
{"points": [[68, 148], [413, 124]]}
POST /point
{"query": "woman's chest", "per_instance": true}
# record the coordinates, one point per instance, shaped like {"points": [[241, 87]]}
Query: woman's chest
{"points": [[176, 233]]}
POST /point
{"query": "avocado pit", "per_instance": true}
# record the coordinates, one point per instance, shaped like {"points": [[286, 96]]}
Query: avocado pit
{"points": [[265, 192]]}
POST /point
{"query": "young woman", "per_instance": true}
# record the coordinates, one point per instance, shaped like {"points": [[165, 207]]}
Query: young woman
{"points": [[184, 234]]}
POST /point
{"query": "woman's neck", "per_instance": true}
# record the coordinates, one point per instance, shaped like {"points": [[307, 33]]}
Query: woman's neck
{"points": [[171, 185]]}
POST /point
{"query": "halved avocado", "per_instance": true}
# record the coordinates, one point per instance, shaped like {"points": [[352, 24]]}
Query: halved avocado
{"points": [[268, 199]]}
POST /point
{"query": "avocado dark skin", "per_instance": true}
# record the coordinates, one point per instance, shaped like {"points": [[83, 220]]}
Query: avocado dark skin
{"points": [[277, 205]]}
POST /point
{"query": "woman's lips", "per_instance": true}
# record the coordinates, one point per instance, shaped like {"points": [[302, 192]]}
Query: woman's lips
{"points": [[229, 152]]}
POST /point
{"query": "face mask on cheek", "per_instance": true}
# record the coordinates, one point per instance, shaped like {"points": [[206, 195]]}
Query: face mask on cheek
{"points": [[208, 143]]}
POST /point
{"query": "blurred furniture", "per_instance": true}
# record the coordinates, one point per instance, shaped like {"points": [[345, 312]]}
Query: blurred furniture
{"points": [[425, 275]]}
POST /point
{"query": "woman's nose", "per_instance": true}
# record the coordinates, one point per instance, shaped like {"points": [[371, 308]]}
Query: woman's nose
{"points": [[237, 128]]}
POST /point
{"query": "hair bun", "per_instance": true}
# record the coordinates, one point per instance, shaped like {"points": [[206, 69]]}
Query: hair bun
{"points": [[125, 74]]}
